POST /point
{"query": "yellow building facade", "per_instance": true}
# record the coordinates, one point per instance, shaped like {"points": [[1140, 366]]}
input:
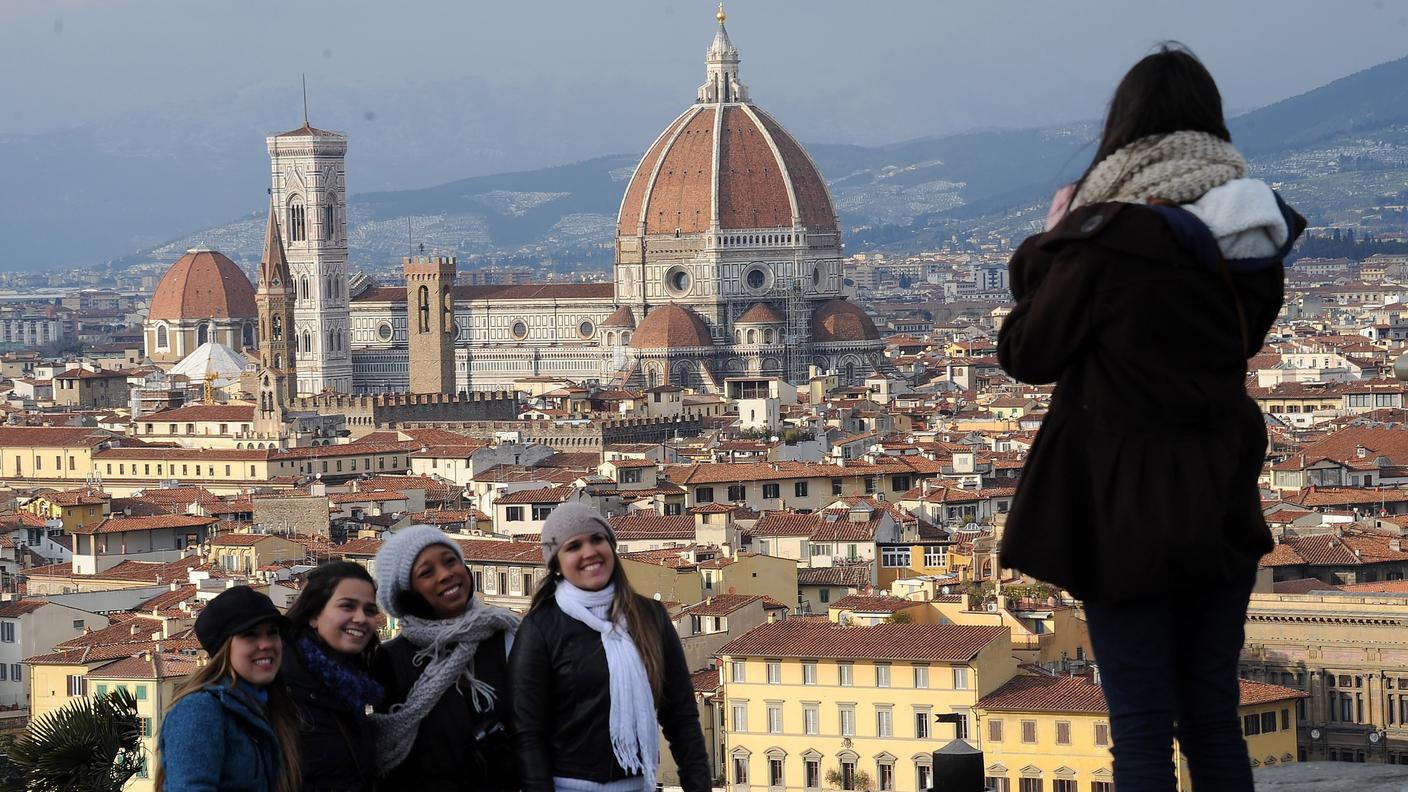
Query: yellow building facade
{"points": [[1052, 733], [805, 700]]}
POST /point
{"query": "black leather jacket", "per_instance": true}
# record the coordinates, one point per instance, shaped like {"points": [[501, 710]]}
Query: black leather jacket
{"points": [[456, 748], [562, 704]]}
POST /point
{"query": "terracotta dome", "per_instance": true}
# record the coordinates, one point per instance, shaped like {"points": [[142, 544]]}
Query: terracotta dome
{"points": [[621, 318], [725, 164], [838, 321], [671, 326], [760, 313], [203, 284]]}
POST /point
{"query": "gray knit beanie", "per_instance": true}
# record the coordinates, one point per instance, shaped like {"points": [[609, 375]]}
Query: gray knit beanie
{"points": [[397, 554], [568, 520]]}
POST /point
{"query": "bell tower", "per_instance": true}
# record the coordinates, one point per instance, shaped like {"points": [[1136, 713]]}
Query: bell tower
{"points": [[310, 196], [430, 323]]}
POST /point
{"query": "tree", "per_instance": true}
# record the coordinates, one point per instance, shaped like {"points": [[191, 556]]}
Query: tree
{"points": [[90, 745], [900, 617]]}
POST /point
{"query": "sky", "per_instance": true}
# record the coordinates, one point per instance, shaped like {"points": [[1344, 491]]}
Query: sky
{"points": [[833, 71], [430, 91]]}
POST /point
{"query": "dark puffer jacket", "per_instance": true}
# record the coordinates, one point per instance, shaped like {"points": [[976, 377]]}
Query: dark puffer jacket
{"points": [[337, 744], [456, 747], [562, 704], [1143, 477]]}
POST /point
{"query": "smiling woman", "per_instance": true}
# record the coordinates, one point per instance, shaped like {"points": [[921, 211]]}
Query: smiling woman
{"points": [[445, 670], [231, 725], [326, 671], [598, 671]]}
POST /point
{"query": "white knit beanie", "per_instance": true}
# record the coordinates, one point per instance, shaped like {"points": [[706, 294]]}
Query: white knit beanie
{"points": [[397, 554], [568, 520]]}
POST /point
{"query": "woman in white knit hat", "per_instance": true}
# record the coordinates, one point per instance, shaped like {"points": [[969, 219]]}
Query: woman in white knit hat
{"points": [[444, 721], [598, 671]]}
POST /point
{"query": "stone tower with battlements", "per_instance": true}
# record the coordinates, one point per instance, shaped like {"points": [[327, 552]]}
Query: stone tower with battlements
{"points": [[430, 323], [310, 197]]}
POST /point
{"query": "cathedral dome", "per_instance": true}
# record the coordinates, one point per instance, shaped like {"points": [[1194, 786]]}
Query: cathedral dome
{"points": [[839, 321], [724, 164], [203, 284], [621, 318], [671, 326], [760, 314]]}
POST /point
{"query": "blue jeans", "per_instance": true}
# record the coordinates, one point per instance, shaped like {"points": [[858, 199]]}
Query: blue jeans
{"points": [[1168, 666]]}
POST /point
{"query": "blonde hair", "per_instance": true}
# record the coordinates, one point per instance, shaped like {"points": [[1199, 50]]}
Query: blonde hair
{"points": [[283, 717]]}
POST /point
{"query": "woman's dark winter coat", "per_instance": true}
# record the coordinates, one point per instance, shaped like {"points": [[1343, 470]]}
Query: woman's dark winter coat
{"points": [[562, 704], [218, 739], [1144, 474], [456, 747], [337, 744]]}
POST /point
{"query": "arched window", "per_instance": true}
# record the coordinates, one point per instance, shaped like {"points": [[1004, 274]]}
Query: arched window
{"points": [[447, 306], [327, 287], [767, 336], [738, 336], [307, 344], [329, 230], [752, 336], [276, 328], [303, 288], [163, 338], [202, 333], [247, 336], [297, 221], [278, 362], [423, 309]]}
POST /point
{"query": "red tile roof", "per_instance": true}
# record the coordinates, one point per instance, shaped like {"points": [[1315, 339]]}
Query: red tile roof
{"points": [[855, 576], [724, 604], [17, 608], [706, 681], [643, 525], [792, 638], [543, 495], [155, 522], [1080, 694], [864, 604]]}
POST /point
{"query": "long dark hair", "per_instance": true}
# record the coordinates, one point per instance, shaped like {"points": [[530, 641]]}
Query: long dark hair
{"points": [[1165, 92], [639, 613], [318, 588]]}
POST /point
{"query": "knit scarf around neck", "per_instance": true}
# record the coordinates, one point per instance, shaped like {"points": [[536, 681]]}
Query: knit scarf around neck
{"points": [[447, 648], [634, 731], [354, 689], [1177, 167]]}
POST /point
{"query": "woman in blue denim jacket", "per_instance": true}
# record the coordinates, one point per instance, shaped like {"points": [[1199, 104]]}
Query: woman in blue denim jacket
{"points": [[230, 729]]}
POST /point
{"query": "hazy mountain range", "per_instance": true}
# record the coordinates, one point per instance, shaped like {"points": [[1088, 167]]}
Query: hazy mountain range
{"points": [[89, 195]]}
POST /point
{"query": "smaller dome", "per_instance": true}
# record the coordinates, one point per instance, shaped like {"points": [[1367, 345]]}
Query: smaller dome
{"points": [[759, 314], [839, 321], [203, 284], [211, 358], [671, 326], [621, 318]]}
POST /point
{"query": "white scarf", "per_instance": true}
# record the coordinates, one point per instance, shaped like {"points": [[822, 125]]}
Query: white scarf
{"points": [[634, 726]]}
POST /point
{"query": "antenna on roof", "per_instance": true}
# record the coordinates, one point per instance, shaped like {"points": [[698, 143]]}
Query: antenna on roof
{"points": [[305, 100], [410, 246]]}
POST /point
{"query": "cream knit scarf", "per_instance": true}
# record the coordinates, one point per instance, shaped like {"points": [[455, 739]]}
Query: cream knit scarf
{"points": [[447, 648], [635, 730], [1177, 167]]}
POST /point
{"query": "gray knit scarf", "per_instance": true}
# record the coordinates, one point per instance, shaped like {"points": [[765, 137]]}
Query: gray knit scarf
{"points": [[1177, 167], [447, 650]]}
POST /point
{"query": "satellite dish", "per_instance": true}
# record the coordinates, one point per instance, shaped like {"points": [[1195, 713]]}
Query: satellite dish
{"points": [[657, 596], [992, 607], [1314, 734], [1374, 737], [944, 591]]}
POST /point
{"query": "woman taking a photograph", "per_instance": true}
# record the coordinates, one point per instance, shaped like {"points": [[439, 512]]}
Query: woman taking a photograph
{"points": [[326, 668], [598, 670], [231, 727], [1159, 275], [443, 724]]}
